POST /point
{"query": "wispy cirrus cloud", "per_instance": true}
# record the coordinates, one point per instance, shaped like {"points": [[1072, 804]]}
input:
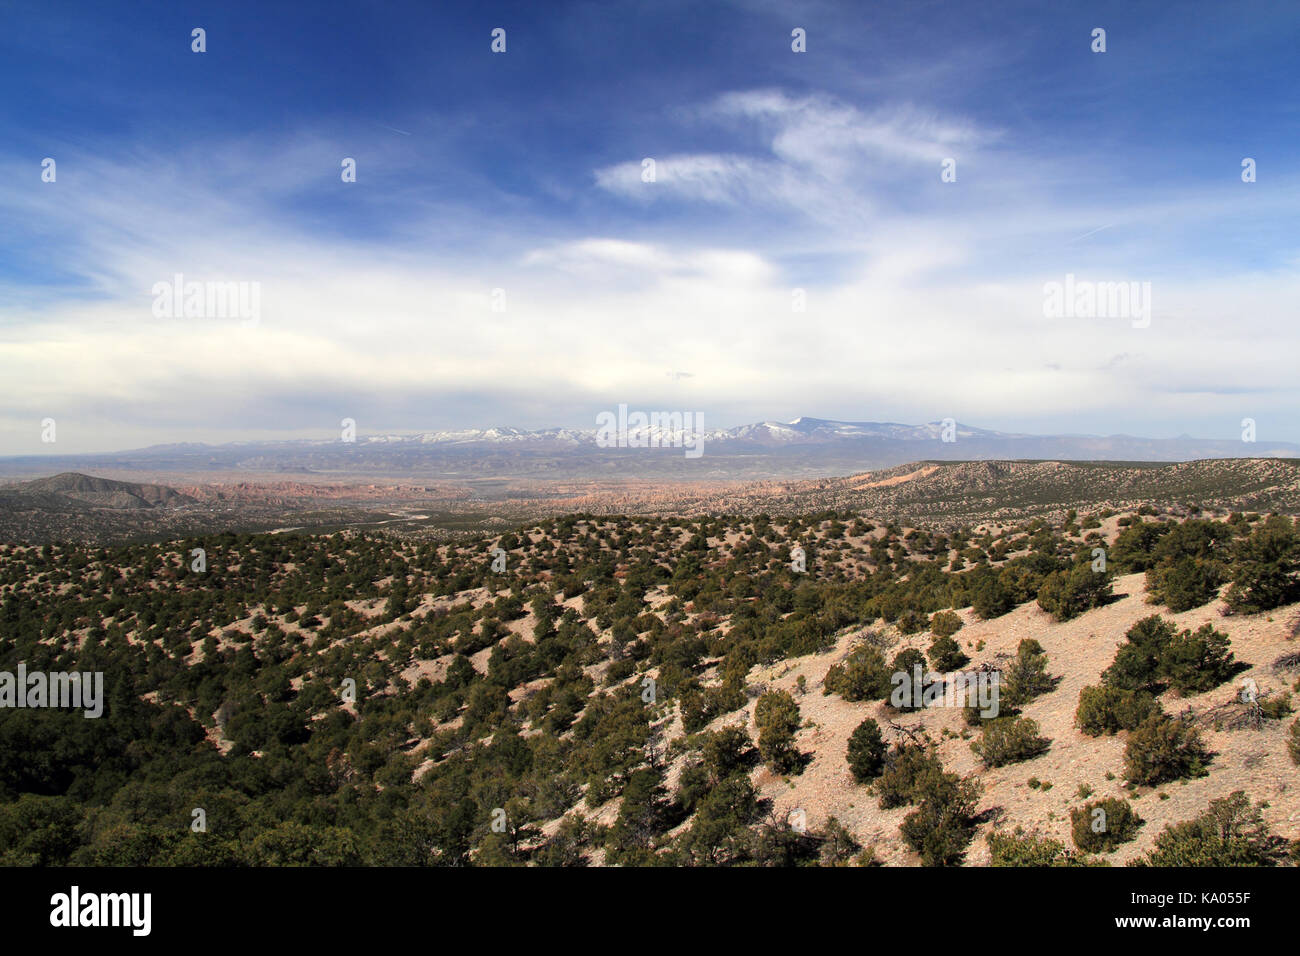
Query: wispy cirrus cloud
{"points": [[819, 156]]}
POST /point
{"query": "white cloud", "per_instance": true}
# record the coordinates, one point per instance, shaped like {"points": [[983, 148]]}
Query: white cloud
{"points": [[931, 311]]}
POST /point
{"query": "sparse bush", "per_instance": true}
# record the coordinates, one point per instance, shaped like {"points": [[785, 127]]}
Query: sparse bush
{"points": [[837, 844], [1018, 848], [1275, 707], [1293, 741], [906, 663], [905, 765], [718, 835], [725, 751]]}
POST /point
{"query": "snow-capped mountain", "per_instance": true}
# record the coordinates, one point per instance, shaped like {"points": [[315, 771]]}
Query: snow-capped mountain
{"points": [[802, 430], [651, 446]]}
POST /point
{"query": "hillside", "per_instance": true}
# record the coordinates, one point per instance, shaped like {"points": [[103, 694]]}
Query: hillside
{"points": [[643, 690], [928, 493], [935, 491], [1078, 651], [71, 491]]}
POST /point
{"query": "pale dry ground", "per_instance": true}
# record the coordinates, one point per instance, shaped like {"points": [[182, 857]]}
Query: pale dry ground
{"points": [[1078, 650]]}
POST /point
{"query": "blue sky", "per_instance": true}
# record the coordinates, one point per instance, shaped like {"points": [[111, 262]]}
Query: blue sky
{"points": [[521, 171]]}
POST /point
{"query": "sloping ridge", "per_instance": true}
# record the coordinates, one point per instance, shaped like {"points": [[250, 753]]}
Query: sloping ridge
{"points": [[71, 489]]}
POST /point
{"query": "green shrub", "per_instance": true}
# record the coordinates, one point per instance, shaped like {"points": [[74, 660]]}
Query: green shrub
{"points": [[1019, 848], [1184, 583], [1135, 546], [990, 599], [643, 814], [1101, 825], [1230, 833], [1193, 663], [946, 655], [1276, 707], [1108, 710], [1293, 741], [906, 662], [1266, 565], [1009, 740], [906, 659], [837, 844], [1026, 676], [777, 718], [911, 621], [866, 752], [719, 835], [725, 751], [905, 765], [863, 675], [1156, 655], [943, 823], [945, 623], [1161, 749], [1137, 662], [1067, 594]]}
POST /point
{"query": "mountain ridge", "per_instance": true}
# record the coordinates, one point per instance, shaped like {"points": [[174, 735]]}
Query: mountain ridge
{"points": [[75, 491], [802, 448]]}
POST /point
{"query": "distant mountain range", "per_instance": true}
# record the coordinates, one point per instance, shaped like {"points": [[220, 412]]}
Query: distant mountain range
{"points": [[800, 431], [802, 448]]}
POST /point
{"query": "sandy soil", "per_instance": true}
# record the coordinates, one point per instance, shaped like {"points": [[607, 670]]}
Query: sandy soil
{"points": [[1078, 650]]}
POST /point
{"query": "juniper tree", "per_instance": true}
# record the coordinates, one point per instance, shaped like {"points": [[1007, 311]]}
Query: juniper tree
{"points": [[1102, 825], [1229, 833], [1161, 749], [777, 718], [866, 751], [1026, 676]]}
